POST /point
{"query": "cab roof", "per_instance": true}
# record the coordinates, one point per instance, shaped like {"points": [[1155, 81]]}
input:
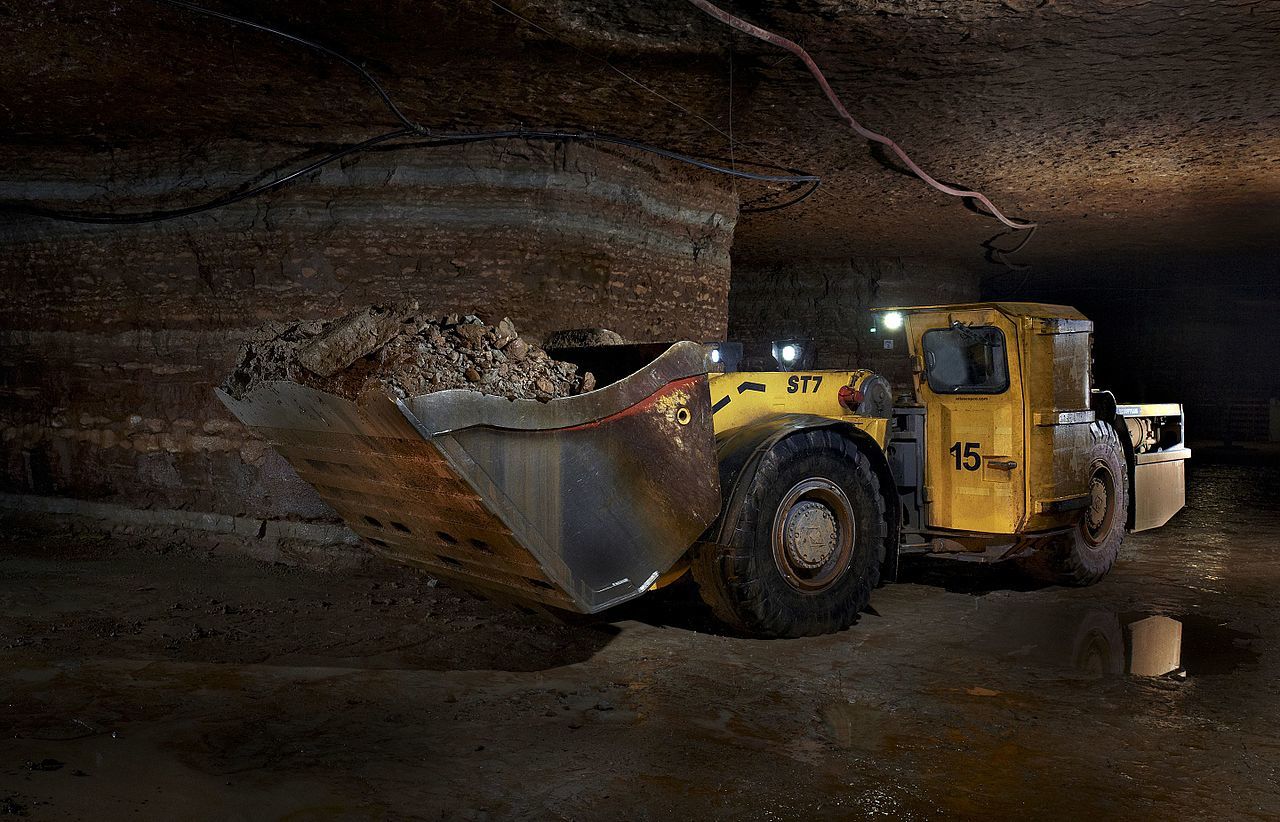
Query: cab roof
{"points": [[1012, 309]]}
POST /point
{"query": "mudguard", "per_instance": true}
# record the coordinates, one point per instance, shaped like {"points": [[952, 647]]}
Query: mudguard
{"points": [[741, 450]]}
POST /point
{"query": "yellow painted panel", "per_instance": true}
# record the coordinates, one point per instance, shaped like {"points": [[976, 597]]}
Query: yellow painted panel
{"points": [[1057, 364], [974, 466], [743, 397]]}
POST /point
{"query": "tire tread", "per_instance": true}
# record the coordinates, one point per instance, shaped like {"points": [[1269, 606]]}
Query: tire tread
{"points": [[1069, 560], [734, 579]]}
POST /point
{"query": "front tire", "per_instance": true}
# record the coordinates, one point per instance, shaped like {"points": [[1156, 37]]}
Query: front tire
{"points": [[806, 548], [1086, 553]]}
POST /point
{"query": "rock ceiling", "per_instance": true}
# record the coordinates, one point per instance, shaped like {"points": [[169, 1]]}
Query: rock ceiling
{"points": [[1147, 128]]}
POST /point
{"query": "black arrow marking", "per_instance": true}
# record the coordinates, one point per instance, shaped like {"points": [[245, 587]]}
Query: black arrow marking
{"points": [[751, 386], [720, 403]]}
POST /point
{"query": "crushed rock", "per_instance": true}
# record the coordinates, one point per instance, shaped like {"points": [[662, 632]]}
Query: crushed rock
{"points": [[397, 351]]}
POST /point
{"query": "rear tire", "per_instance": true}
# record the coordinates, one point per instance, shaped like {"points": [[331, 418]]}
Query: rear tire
{"points": [[806, 548], [1085, 554]]}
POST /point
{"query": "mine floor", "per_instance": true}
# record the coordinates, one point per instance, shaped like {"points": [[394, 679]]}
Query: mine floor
{"points": [[156, 681]]}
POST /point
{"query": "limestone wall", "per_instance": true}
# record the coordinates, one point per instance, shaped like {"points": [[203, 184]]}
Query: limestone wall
{"points": [[112, 338]]}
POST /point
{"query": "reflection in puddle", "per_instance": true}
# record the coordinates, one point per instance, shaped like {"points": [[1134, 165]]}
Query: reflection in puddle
{"points": [[1102, 642], [1155, 646], [1090, 641]]}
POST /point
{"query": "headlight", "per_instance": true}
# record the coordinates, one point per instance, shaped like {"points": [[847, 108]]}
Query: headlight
{"points": [[892, 320], [723, 356], [793, 354]]}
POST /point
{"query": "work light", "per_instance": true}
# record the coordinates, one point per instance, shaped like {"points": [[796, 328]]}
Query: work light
{"points": [[793, 354]]}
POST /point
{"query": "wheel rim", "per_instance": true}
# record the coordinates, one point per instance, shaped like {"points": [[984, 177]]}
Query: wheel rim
{"points": [[813, 534], [1102, 505]]}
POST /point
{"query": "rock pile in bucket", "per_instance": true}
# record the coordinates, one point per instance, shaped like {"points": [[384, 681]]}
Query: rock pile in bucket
{"points": [[398, 351]]}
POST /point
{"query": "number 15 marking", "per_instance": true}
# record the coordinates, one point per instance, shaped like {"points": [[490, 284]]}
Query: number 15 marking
{"points": [[969, 459]]}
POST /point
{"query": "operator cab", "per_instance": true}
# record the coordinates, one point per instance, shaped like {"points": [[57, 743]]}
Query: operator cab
{"points": [[1002, 439]]}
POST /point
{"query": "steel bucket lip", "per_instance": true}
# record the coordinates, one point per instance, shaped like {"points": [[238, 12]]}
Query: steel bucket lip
{"points": [[441, 412], [458, 420], [455, 409]]}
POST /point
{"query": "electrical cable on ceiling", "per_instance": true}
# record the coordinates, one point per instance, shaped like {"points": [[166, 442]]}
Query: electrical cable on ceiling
{"points": [[751, 206], [733, 144], [410, 129], [996, 254], [369, 78], [625, 75], [433, 140], [536, 134], [154, 216], [782, 42]]}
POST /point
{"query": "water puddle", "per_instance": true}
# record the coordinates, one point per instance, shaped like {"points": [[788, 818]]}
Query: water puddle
{"points": [[1017, 655], [1100, 642]]}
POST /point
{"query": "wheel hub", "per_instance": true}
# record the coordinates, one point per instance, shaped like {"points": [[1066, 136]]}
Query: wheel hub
{"points": [[1097, 503], [810, 534], [813, 535], [1102, 501]]}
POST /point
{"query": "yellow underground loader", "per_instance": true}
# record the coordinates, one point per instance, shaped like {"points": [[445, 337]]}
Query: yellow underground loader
{"points": [[788, 495]]}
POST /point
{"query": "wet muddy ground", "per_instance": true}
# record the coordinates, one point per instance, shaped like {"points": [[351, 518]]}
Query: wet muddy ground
{"points": [[166, 683]]}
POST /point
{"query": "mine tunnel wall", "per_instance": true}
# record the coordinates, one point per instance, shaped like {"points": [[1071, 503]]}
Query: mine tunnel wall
{"points": [[831, 302], [112, 338]]}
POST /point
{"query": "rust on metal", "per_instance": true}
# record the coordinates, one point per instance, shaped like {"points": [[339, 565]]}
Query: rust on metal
{"points": [[578, 503]]}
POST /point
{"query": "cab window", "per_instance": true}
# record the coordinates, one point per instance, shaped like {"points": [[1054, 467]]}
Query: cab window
{"points": [[966, 360]]}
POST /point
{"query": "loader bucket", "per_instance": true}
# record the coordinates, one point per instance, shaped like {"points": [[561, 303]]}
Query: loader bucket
{"points": [[578, 503]]}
